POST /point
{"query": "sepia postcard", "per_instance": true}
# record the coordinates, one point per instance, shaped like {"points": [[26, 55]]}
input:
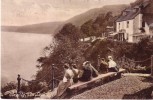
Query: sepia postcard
{"points": [[76, 49]]}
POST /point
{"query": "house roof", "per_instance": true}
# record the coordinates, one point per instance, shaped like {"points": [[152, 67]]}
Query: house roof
{"points": [[131, 13], [151, 26], [148, 18]]}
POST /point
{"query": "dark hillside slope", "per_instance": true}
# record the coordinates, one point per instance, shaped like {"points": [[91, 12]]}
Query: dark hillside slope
{"points": [[93, 13], [45, 28]]}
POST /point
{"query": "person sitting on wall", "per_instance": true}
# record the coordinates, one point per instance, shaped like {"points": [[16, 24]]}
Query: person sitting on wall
{"points": [[88, 72], [103, 66], [66, 82], [76, 73], [112, 65]]}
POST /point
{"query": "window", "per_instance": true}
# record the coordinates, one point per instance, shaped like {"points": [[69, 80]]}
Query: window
{"points": [[143, 24], [127, 37], [127, 24], [124, 13], [119, 25], [122, 25]]}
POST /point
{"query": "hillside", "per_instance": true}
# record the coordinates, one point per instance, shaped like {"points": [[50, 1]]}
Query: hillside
{"points": [[53, 27], [93, 13], [46, 28]]}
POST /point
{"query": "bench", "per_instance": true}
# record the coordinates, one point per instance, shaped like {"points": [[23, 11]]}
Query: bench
{"points": [[99, 78]]}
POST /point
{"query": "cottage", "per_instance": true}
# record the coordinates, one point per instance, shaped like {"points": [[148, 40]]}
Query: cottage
{"points": [[135, 22]]}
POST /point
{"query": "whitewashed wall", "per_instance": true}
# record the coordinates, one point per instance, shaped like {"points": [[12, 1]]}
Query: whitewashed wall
{"points": [[137, 23], [148, 32], [129, 30]]}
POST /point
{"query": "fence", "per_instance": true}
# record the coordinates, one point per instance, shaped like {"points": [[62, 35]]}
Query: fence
{"points": [[123, 62], [53, 81], [152, 66], [132, 65]]}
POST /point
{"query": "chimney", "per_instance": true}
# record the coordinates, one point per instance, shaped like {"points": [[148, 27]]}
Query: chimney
{"points": [[141, 7]]}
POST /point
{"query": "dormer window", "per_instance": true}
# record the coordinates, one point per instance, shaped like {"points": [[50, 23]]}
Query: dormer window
{"points": [[141, 8], [127, 24], [124, 13], [142, 30], [143, 23], [135, 10]]}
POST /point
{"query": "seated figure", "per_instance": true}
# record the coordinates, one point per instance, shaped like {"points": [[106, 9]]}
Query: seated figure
{"points": [[88, 72], [70, 77], [112, 65], [76, 73], [66, 82], [103, 66]]}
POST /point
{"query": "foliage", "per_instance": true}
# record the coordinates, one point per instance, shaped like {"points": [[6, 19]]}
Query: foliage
{"points": [[67, 48], [99, 25], [36, 87], [8, 86], [103, 48], [87, 28], [141, 51], [136, 52]]}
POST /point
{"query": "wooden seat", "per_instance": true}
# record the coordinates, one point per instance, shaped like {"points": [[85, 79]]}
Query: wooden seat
{"points": [[96, 79]]}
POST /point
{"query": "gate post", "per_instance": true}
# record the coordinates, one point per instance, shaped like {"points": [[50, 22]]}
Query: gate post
{"points": [[98, 62], [152, 66], [53, 76], [18, 79]]}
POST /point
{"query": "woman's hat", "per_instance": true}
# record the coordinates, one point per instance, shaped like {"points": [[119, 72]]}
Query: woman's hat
{"points": [[110, 57], [74, 65], [66, 65], [102, 58], [86, 62]]}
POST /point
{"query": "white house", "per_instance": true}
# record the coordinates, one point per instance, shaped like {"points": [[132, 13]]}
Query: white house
{"points": [[134, 23]]}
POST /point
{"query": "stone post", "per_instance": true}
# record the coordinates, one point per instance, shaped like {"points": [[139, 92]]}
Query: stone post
{"points": [[53, 76], [18, 79], [152, 66], [98, 62]]}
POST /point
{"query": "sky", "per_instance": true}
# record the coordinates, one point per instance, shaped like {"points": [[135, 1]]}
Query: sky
{"points": [[23, 12]]}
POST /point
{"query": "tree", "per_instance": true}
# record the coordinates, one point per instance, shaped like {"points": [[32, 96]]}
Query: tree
{"points": [[99, 25], [142, 50], [69, 46], [87, 28], [8, 86], [70, 31], [68, 49]]}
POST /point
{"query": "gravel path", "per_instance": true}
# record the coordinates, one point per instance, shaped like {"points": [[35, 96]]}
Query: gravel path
{"points": [[116, 89]]}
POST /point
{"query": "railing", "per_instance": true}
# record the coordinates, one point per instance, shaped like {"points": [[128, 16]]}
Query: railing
{"points": [[123, 62], [53, 82], [128, 63]]}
